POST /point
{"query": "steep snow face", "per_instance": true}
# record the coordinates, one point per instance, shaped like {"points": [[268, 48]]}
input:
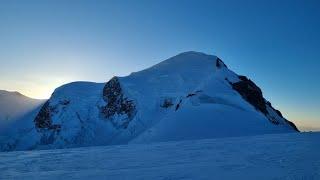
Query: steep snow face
{"points": [[189, 96]]}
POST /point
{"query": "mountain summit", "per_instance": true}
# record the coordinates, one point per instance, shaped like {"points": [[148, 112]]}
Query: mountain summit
{"points": [[189, 96]]}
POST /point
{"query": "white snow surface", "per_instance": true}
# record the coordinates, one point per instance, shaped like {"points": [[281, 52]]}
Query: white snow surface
{"points": [[292, 156], [208, 107]]}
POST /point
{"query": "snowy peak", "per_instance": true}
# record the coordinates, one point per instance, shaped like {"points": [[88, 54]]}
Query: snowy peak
{"points": [[178, 76], [189, 96], [4, 92], [16, 94], [188, 62]]}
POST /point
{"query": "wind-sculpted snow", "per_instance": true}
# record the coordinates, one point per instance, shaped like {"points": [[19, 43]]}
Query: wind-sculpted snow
{"points": [[189, 96], [293, 156]]}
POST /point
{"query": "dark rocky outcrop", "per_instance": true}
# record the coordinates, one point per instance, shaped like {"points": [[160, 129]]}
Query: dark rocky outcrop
{"points": [[43, 119], [190, 95], [178, 105], [292, 125], [166, 103], [64, 102], [117, 103], [280, 114], [220, 63], [251, 93], [277, 111]]}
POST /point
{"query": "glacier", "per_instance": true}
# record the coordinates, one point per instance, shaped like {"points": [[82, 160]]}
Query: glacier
{"points": [[274, 156]]}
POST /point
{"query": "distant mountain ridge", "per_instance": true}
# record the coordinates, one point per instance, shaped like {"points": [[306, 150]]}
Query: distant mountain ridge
{"points": [[14, 104], [16, 111], [189, 96]]}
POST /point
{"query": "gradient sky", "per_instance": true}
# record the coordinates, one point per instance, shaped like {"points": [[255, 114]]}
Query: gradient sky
{"points": [[44, 44]]}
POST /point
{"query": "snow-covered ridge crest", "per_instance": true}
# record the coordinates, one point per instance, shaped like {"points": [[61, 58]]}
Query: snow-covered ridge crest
{"points": [[189, 96]]}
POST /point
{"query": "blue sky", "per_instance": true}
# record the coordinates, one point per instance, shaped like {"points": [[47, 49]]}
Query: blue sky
{"points": [[44, 44]]}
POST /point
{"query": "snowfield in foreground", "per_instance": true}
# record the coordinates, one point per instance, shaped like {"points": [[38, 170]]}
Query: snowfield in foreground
{"points": [[278, 156]]}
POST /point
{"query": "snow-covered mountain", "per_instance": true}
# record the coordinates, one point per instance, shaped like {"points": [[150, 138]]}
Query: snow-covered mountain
{"points": [[16, 110], [189, 96]]}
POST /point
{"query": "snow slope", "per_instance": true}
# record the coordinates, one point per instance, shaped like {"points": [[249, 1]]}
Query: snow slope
{"points": [[189, 96], [16, 111], [293, 156]]}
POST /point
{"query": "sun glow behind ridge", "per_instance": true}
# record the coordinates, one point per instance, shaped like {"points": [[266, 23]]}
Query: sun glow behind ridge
{"points": [[35, 90]]}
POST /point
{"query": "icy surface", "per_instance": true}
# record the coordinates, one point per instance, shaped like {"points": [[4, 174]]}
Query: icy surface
{"points": [[279, 156]]}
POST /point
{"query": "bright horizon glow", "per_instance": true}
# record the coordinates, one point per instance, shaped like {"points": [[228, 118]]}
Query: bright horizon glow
{"points": [[43, 91], [45, 44]]}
